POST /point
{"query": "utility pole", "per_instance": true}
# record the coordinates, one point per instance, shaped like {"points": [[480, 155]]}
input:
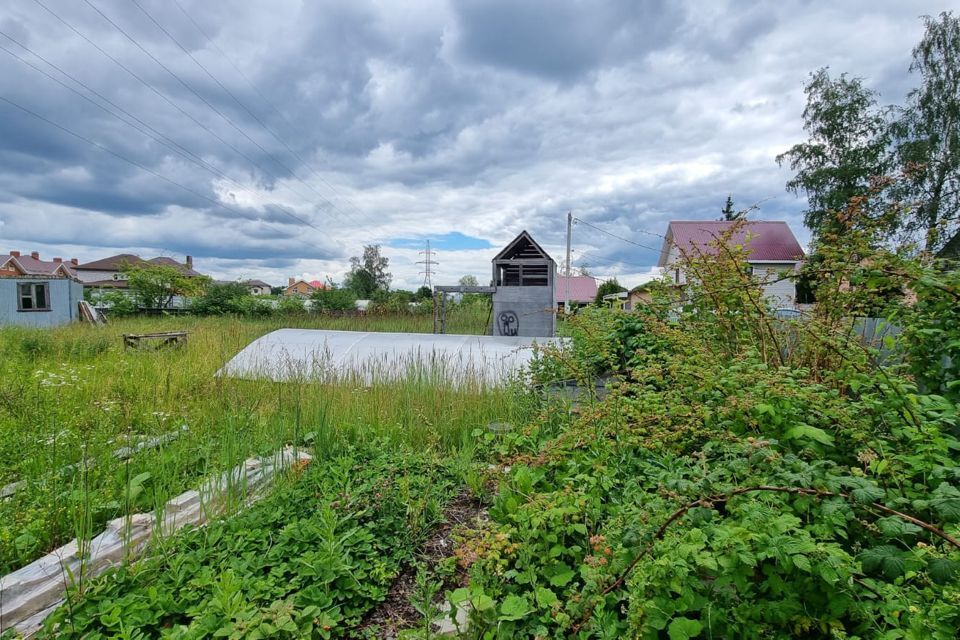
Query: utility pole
{"points": [[566, 303], [427, 263]]}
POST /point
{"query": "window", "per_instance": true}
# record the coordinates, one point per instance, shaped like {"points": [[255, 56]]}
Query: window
{"points": [[508, 275], [523, 275], [32, 296], [534, 275]]}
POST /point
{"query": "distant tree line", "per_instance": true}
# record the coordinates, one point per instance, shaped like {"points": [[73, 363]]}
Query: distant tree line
{"points": [[152, 286]]}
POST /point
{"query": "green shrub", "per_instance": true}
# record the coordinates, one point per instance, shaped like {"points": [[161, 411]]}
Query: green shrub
{"points": [[290, 305], [116, 304], [332, 299], [309, 561], [221, 298]]}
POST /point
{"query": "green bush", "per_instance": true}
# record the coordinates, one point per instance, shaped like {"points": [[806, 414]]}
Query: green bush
{"points": [[727, 486], [332, 299], [309, 561], [114, 303], [230, 298], [290, 305]]}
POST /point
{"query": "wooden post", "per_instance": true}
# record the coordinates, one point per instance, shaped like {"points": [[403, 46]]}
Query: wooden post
{"points": [[443, 313], [435, 311]]}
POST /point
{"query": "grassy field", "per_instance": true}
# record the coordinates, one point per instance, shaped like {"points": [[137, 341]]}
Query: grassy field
{"points": [[71, 397]]}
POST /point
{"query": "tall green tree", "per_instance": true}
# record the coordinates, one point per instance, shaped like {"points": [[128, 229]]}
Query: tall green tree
{"points": [[845, 152], [154, 286], [928, 133], [729, 213], [368, 273], [606, 288]]}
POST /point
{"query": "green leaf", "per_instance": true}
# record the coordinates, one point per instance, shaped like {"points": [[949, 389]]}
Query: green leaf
{"points": [[684, 628], [807, 432], [946, 502], [942, 570], [863, 490], [560, 574], [546, 597], [514, 607], [801, 562], [885, 560], [482, 602], [893, 526]]}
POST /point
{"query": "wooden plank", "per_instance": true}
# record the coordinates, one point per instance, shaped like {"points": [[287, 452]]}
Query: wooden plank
{"points": [[166, 338]]}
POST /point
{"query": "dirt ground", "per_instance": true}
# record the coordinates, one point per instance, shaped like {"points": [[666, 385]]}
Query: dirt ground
{"points": [[396, 612]]}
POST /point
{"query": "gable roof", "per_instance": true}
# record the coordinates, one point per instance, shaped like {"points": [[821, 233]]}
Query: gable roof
{"points": [[170, 262], [582, 288], [770, 241], [113, 263], [117, 262], [30, 266], [523, 247], [293, 284], [255, 283]]}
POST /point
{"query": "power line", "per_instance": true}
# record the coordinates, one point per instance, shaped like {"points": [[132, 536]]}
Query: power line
{"points": [[142, 127], [581, 260], [263, 97], [160, 94], [213, 108], [119, 156], [613, 235]]}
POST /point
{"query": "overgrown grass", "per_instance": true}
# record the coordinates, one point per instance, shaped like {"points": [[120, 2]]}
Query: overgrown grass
{"points": [[71, 397]]}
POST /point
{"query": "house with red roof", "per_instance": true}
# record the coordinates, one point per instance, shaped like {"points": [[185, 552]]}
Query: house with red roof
{"points": [[580, 290], [38, 293], [31, 265], [772, 247]]}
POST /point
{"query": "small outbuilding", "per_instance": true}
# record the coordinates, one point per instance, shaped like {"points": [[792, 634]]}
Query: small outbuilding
{"points": [[523, 303], [39, 301]]}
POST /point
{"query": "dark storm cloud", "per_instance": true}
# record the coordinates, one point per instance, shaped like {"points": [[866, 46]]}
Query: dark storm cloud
{"points": [[562, 40], [416, 120]]}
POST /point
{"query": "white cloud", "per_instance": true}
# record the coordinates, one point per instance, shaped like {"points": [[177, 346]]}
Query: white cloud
{"points": [[419, 119]]}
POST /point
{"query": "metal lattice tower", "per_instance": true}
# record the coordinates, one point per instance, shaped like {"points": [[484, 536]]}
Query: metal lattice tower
{"points": [[428, 262]]}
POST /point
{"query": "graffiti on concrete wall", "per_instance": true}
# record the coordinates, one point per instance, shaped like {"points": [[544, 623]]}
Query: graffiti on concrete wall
{"points": [[508, 323]]}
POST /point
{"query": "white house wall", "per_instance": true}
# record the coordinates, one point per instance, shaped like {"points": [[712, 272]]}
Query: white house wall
{"points": [[95, 276], [779, 292]]}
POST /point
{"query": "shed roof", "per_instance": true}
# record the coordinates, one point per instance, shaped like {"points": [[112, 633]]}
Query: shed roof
{"points": [[769, 240], [582, 288], [523, 247]]}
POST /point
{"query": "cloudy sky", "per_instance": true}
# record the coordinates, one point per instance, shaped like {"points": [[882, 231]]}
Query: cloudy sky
{"points": [[274, 138]]}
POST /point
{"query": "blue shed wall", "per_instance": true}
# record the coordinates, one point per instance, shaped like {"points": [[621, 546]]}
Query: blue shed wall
{"points": [[64, 295]]}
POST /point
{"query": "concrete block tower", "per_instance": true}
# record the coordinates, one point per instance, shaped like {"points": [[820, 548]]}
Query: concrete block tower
{"points": [[523, 304]]}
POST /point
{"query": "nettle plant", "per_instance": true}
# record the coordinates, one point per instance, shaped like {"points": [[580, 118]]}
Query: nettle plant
{"points": [[747, 476]]}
